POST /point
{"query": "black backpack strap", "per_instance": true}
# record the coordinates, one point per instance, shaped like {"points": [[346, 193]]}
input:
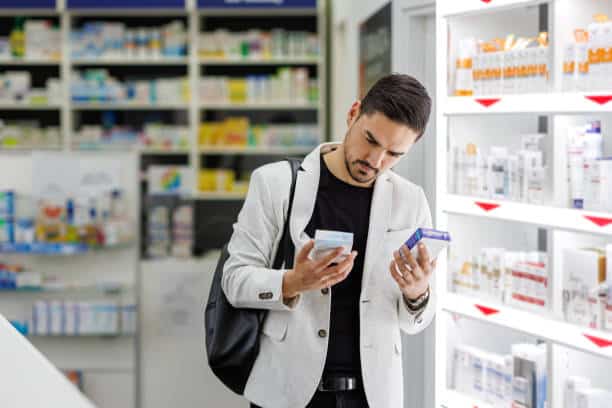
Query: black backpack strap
{"points": [[286, 249]]}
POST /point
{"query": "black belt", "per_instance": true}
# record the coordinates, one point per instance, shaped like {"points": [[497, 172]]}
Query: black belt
{"points": [[332, 384]]}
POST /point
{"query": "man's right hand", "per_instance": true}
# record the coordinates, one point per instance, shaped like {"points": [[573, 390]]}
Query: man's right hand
{"points": [[308, 274]]}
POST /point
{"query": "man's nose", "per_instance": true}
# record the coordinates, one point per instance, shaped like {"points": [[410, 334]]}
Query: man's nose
{"points": [[376, 157]]}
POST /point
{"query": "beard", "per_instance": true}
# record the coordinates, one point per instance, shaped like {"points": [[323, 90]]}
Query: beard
{"points": [[358, 174]]}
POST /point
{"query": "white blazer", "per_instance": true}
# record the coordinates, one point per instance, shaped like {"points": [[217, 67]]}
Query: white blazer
{"points": [[292, 352]]}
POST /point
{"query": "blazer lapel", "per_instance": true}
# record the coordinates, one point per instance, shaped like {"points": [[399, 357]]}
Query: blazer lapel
{"points": [[380, 213], [306, 187]]}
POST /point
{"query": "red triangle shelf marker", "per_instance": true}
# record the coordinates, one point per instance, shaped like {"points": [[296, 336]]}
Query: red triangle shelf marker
{"points": [[599, 99], [599, 342], [599, 221], [487, 311], [487, 206], [486, 102]]}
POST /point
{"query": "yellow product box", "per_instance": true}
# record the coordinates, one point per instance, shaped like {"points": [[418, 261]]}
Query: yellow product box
{"points": [[241, 186], [225, 180], [235, 131], [185, 90], [237, 90], [210, 133], [207, 180]]}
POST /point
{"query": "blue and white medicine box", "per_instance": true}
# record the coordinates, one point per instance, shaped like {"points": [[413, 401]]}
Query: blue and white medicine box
{"points": [[7, 204], [435, 241]]}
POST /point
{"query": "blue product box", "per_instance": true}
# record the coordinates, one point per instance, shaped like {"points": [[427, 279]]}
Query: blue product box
{"points": [[434, 240], [7, 204], [7, 231]]}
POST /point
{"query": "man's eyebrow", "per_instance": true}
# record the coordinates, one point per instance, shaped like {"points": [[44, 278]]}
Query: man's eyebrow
{"points": [[371, 136]]}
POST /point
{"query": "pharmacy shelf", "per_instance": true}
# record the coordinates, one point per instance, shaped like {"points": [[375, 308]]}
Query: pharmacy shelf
{"points": [[218, 196], [529, 103], [100, 288], [29, 62], [110, 147], [454, 8], [27, 149], [259, 106], [540, 326], [260, 61], [128, 106], [263, 11], [454, 399], [263, 150], [43, 248], [129, 61], [21, 106], [545, 216], [161, 151], [81, 336]]}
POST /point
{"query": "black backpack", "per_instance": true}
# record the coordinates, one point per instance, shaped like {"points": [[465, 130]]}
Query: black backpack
{"points": [[232, 335]]}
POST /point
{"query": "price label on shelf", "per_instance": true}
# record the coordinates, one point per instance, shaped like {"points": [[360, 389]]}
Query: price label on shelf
{"points": [[598, 341], [599, 99], [27, 4], [599, 221], [487, 206], [487, 102], [125, 4], [276, 4], [487, 311]]}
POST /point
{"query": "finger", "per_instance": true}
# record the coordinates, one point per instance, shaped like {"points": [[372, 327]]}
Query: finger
{"points": [[423, 257], [339, 271], [327, 260], [334, 281], [346, 263], [412, 263], [401, 263], [302, 256], [432, 267], [416, 271], [402, 283]]}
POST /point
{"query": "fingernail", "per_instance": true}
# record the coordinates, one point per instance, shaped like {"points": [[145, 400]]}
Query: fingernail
{"points": [[421, 245]]}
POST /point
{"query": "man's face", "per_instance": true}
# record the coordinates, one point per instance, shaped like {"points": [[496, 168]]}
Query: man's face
{"points": [[374, 143]]}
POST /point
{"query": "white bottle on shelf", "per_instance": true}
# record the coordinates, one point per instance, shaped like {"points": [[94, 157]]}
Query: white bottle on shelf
{"points": [[464, 81]]}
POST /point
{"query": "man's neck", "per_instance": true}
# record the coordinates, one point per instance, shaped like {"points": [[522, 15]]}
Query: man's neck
{"points": [[337, 166]]}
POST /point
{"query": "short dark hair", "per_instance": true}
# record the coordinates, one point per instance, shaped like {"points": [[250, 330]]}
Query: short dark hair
{"points": [[402, 99]]}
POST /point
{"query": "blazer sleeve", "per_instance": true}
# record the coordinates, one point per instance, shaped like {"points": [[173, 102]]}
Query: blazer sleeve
{"points": [[415, 322], [248, 280]]}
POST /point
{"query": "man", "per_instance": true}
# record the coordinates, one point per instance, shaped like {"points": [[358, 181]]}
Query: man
{"points": [[332, 335]]}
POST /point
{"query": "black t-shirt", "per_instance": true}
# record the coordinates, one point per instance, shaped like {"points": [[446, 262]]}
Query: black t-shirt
{"points": [[342, 207]]}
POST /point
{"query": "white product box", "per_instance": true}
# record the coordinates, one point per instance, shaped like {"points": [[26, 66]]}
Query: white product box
{"points": [[56, 313], [593, 398], [573, 384], [328, 241], [71, 318], [478, 377], [530, 365], [583, 271], [40, 318]]}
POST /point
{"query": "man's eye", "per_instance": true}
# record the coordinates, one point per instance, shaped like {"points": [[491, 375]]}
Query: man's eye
{"points": [[370, 141], [395, 154]]}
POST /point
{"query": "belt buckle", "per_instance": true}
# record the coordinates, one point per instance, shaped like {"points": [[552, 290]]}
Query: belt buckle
{"points": [[337, 384]]}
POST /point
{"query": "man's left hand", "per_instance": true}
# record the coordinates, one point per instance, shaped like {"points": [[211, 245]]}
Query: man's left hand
{"points": [[412, 276]]}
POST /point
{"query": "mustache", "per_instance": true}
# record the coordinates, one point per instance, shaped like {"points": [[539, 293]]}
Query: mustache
{"points": [[365, 163]]}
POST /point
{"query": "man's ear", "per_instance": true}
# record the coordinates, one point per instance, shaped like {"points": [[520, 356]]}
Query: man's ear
{"points": [[353, 113]]}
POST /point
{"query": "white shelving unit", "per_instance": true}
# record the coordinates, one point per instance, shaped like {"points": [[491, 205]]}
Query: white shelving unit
{"points": [[117, 374], [102, 274], [498, 120]]}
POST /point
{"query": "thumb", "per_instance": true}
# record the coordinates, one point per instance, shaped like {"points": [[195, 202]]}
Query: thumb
{"points": [[302, 256]]}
